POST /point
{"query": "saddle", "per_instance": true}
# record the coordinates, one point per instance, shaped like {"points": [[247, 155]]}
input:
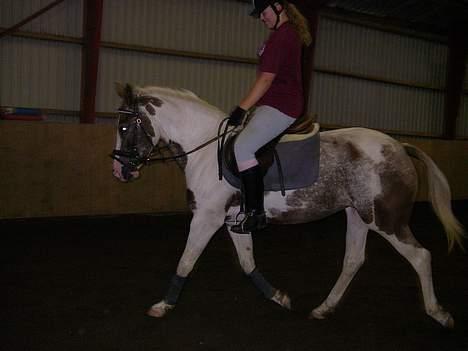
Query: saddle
{"points": [[290, 161]]}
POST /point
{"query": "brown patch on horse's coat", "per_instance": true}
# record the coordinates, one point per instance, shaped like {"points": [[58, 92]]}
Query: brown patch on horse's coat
{"points": [[148, 101], [175, 149], [394, 205], [308, 204], [233, 201], [354, 153], [318, 200], [192, 203], [150, 109], [145, 100], [147, 126]]}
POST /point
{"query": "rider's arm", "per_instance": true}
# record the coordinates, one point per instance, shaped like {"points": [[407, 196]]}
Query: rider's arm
{"points": [[259, 88]]}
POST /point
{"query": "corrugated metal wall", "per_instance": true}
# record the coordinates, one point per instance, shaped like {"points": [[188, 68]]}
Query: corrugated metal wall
{"points": [[64, 19], [211, 26], [218, 27], [364, 76], [354, 102], [219, 83], [368, 53], [40, 73], [352, 48]]}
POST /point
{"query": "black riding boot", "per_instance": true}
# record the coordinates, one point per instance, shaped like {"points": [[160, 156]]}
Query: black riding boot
{"points": [[255, 219]]}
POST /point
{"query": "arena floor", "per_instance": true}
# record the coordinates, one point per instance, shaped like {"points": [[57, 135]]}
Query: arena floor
{"points": [[85, 284]]}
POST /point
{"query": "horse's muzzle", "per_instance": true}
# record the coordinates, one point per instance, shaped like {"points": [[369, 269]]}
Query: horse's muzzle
{"points": [[125, 168]]}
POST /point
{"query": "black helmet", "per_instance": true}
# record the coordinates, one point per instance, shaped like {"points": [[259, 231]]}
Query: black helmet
{"points": [[260, 5]]}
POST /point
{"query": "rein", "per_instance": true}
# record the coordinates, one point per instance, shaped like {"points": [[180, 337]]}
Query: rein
{"points": [[222, 136]]}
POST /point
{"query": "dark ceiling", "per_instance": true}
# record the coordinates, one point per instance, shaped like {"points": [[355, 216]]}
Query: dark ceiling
{"points": [[436, 17], [429, 16]]}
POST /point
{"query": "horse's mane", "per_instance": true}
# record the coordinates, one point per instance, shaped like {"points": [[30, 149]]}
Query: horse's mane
{"points": [[167, 91], [179, 93]]}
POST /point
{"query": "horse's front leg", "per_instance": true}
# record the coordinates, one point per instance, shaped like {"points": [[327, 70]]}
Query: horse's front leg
{"points": [[203, 226], [244, 248]]}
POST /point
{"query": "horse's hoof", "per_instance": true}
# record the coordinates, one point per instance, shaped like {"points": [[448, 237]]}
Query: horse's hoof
{"points": [[443, 317], [316, 315], [320, 312], [159, 310], [282, 299], [450, 323]]}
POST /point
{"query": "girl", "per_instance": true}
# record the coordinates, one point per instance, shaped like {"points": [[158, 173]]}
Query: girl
{"points": [[278, 96]]}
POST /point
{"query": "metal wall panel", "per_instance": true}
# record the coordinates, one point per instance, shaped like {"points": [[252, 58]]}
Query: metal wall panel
{"points": [[64, 19], [47, 74], [220, 27], [354, 102], [357, 50], [351, 48], [221, 84], [39, 74]]}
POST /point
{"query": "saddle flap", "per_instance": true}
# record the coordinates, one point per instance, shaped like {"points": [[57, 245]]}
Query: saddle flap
{"points": [[299, 156]]}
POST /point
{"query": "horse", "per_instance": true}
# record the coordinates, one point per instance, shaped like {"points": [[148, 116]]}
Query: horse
{"points": [[364, 172]]}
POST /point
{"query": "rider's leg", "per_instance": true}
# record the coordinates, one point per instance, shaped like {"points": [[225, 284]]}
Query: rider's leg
{"points": [[266, 124], [252, 181]]}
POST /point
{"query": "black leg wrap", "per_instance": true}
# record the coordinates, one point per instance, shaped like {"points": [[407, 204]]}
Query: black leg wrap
{"points": [[177, 283], [261, 283]]}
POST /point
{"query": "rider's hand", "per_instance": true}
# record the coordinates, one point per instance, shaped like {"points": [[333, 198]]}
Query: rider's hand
{"points": [[236, 116]]}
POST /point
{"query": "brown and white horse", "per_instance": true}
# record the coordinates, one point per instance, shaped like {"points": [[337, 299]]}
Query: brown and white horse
{"points": [[364, 172]]}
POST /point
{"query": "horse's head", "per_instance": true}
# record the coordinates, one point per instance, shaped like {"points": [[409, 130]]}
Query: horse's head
{"points": [[136, 136]]}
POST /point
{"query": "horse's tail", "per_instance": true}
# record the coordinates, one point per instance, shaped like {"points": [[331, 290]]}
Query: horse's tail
{"points": [[439, 197]]}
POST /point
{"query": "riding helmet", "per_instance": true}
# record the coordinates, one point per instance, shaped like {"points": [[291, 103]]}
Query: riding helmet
{"points": [[260, 5]]}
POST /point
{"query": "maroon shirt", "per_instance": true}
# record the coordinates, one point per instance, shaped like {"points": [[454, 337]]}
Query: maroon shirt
{"points": [[282, 54]]}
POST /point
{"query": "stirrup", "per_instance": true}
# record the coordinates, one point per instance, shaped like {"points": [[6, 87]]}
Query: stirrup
{"points": [[252, 222]]}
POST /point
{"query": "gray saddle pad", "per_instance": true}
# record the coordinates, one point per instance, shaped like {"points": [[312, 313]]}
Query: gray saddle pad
{"points": [[300, 161]]}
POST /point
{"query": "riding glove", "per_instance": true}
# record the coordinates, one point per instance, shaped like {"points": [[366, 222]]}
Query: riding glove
{"points": [[236, 116]]}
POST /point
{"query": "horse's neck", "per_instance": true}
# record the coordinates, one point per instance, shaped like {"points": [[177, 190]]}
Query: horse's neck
{"points": [[189, 131], [188, 122]]}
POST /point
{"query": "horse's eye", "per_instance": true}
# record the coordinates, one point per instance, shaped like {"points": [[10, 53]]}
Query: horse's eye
{"points": [[123, 129]]}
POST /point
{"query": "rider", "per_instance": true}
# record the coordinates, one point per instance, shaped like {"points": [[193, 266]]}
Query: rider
{"points": [[278, 96]]}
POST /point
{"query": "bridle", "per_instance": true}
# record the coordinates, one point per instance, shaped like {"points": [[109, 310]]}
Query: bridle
{"points": [[132, 161]]}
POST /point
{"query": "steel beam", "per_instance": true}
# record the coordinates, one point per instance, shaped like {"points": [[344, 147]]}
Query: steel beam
{"points": [[28, 19], [457, 59], [92, 20]]}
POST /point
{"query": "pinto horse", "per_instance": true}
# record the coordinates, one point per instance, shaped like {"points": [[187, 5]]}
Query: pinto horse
{"points": [[364, 172]]}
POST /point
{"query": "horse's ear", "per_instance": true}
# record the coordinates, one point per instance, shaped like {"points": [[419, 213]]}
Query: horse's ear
{"points": [[120, 89]]}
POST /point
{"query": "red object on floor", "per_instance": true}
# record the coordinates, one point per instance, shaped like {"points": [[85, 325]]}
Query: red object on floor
{"points": [[22, 117]]}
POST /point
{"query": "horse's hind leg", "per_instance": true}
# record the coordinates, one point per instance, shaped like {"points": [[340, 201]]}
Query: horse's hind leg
{"points": [[244, 248], [356, 235], [420, 259]]}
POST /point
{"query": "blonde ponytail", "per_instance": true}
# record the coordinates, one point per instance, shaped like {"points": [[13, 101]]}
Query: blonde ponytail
{"points": [[299, 22]]}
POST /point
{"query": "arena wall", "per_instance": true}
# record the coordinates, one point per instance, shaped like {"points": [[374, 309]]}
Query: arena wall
{"points": [[59, 169]]}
